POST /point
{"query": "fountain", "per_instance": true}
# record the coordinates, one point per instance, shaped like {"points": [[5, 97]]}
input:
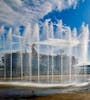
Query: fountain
{"points": [[84, 42], [59, 31], [11, 46], [37, 39], [69, 50], [27, 38], [75, 53], [57, 66], [52, 51], [84, 47], [46, 31], [3, 46]]}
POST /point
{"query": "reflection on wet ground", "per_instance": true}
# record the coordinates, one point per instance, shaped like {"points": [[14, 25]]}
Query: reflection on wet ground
{"points": [[43, 94]]}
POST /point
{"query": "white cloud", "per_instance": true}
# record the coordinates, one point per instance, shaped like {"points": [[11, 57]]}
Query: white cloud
{"points": [[23, 11]]}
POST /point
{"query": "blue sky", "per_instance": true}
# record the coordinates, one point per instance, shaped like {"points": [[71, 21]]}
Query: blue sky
{"points": [[72, 17]]}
